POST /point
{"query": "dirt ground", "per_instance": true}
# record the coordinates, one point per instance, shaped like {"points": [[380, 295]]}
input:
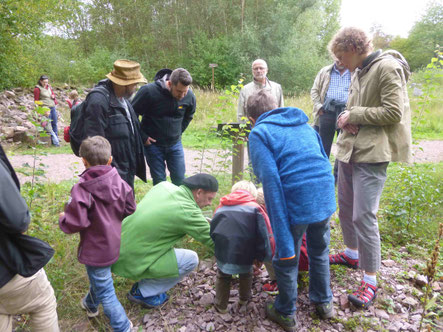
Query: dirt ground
{"points": [[59, 167]]}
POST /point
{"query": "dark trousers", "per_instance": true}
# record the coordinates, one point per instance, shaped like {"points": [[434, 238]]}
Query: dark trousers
{"points": [[327, 132]]}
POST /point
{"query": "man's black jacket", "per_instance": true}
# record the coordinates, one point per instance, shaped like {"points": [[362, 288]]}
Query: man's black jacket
{"points": [[163, 117], [106, 117], [14, 214]]}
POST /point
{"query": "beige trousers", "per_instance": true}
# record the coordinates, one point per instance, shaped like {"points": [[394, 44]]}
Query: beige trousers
{"points": [[33, 296]]}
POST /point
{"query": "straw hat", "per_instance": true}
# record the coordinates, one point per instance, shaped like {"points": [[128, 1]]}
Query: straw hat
{"points": [[126, 72]]}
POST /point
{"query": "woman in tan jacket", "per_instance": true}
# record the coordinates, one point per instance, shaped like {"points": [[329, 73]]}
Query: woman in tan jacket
{"points": [[376, 129]]}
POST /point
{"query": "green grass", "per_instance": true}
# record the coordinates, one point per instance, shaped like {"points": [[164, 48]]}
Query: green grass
{"points": [[219, 107]]}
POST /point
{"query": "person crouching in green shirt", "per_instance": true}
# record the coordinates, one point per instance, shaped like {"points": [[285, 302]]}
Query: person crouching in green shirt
{"points": [[164, 216]]}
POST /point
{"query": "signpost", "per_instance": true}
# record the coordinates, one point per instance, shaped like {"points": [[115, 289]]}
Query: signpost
{"points": [[212, 65]]}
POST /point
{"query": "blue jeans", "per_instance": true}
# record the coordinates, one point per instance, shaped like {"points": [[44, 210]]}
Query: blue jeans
{"points": [[101, 290], [53, 118], [187, 260], [156, 156], [317, 241]]}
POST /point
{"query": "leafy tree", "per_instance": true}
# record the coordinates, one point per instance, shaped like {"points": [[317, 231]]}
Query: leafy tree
{"points": [[423, 38], [21, 23]]}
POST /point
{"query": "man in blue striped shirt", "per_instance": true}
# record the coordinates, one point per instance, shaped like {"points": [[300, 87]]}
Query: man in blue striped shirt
{"points": [[329, 95]]}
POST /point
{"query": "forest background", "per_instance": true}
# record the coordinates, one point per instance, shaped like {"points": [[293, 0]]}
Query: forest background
{"points": [[76, 42]]}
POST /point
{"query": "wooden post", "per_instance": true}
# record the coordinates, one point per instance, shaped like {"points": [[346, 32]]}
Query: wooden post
{"points": [[213, 65], [238, 149], [238, 158]]}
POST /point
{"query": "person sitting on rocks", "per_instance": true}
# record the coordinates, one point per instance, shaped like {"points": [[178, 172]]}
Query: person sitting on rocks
{"points": [[164, 216], [240, 232]]}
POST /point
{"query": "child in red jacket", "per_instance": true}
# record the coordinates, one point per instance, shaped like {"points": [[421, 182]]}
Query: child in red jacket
{"points": [[72, 101], [241, 237]]}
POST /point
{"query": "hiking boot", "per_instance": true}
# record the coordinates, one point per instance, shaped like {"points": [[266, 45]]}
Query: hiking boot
{"points": [[287, 323], [222, 288], [364, 296], [271, 288], [89, 311], [149, 302], [342, 259], [325, 310], [220, 310]]}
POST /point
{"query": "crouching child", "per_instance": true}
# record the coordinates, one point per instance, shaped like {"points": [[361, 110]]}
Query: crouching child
{"points": [[98, 204], [242, 236]]}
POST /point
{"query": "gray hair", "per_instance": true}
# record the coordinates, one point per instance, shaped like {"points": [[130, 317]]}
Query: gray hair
{"points": [[259, 103]]}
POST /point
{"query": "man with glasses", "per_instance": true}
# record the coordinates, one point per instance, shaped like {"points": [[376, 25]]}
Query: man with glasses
{"points": [[261, 81]]}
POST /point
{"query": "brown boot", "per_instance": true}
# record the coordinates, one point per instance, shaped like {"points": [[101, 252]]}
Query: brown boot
{"points": [[245, 288], [222, 289]]}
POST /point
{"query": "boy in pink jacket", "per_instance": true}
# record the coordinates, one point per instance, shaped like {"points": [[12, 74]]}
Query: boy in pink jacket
{"points": [[98, 204]]}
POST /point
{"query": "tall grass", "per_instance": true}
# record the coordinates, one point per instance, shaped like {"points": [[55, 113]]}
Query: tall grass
{"points": [[216, 107]]}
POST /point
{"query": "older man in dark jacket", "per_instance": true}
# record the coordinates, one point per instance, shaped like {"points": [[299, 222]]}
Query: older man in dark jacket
{"points": [[31, 293], [110, 114]]}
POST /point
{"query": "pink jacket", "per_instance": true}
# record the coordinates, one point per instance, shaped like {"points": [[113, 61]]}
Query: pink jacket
{"points": [[98, 204]]}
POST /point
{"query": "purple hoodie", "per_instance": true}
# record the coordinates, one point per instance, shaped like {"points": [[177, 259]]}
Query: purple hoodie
{"points": [[98, 204]]}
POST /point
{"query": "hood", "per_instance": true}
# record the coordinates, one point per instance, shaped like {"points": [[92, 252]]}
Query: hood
{"points": [[102, 182], [236, 198], [162, 76], [392, 54], [284, 116]]}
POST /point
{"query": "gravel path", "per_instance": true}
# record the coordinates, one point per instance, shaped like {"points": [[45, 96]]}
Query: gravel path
{"points": [[59, 167]]}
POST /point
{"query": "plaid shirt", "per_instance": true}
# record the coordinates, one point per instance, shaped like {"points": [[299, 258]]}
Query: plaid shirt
{"points": [[339, 85]]}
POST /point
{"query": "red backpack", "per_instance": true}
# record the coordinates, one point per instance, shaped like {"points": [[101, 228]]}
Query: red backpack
{"points": [[66, 130]]}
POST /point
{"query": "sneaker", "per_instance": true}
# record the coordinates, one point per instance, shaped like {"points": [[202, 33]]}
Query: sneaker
{"points": [[90, 312], [149, 302], [364, 296], [325, 310], [271, 287], [342, 259], [287, 323]]}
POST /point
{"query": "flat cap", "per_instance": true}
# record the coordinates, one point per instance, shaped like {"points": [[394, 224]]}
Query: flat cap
{"points": [[201, 181]]}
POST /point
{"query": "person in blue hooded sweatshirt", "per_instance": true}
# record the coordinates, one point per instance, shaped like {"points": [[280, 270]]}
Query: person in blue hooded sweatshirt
{"points": [[288, 158]]}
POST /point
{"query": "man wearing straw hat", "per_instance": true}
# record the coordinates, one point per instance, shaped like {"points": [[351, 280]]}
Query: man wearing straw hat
{"points": [[110, 114]]}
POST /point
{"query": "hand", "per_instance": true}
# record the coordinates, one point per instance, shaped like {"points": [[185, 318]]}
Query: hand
{"points": [[343, 119], [62, 214], [351, 128], [150, 140], [321, 111]]}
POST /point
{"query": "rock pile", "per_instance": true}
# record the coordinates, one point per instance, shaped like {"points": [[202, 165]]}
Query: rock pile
{"points": [[190, 306], [16, 114]]}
